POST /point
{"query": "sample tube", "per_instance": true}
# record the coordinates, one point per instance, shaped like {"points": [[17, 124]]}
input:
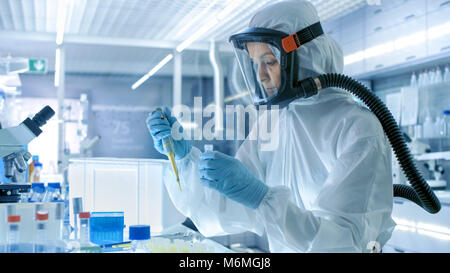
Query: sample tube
{"points": [[13, 234], [84, 228], [77, 208], [40, 242]]}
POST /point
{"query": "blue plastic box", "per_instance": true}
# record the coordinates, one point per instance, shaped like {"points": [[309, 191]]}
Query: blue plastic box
{"points": [[106, 227]]}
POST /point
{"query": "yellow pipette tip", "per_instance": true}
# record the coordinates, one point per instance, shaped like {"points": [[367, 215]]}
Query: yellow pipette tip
{"points": [[171, 157], [179, 184]]}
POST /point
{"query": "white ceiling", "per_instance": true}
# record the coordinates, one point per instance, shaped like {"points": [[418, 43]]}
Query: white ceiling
{"points": [[130, 36]]}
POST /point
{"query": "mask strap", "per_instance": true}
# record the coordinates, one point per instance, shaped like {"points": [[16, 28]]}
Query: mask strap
{"points": [[294, 41]]}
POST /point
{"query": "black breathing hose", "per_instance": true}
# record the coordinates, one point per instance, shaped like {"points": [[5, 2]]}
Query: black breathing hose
{"points": [[420, 192]]}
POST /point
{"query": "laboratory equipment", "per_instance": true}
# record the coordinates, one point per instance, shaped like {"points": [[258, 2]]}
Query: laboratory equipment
{"points": [[27, 212], [420, 192], [437, 126], [420, 79], [438, 75], [85, 244], [77, 206], [61, 243], [170, 149], [445, 124], [106, 227], [13, 234], [10, 65], [446, 74], [140, 238], [413, 82], [437, 170], [35, 159], [41, 243], [37, 192], [143, 199], [52, 193], [428, 129], [36, 174], [426, 78], [84, 228], [12, 141]]}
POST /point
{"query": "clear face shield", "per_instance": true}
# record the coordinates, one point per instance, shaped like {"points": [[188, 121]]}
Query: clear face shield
{"points": [[267, 59], [261, 67]]}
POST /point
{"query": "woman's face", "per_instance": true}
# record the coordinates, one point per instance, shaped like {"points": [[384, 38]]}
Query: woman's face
{"points": [[267, 65]]}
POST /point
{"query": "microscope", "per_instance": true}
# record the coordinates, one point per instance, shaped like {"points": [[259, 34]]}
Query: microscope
{"points": [[15, 157]]}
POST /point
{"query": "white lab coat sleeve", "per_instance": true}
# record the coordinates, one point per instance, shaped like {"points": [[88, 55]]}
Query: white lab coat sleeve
{"points": [[211, 212], [353, 207]]}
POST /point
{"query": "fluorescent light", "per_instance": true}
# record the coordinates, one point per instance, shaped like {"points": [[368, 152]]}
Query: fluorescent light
{"points": [[405, 228], [61, 20], [434, 228], [439, 31], [152, 72], [183, 30], [400, 43], [378, 50], [354, 58], [403, 222], [228, 10], [57, 66], [430, 230], [436, 235], [207, 26], [410, 40]]}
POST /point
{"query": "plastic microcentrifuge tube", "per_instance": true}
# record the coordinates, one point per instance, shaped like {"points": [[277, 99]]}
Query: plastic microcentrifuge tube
{"points": [[13, 234], [40, 243]]}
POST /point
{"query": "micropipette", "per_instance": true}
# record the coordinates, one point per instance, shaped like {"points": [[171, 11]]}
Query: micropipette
{"points": [[170, 149]]}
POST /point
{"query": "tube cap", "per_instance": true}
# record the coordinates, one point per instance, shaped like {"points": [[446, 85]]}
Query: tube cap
{"points": [[38, 187], [54, 185], [446, 112], [84, 215], [13, 218], [139, 232], [42, 215]]}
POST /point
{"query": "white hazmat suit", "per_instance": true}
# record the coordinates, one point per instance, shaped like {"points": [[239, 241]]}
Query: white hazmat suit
{"points": [[330, 185]]}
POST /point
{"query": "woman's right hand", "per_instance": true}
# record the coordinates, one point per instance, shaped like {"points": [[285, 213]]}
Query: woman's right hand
{"points": [[160, 128]]}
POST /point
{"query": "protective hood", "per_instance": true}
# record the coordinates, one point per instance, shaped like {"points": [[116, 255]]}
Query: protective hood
{"points": [[319, 56]]}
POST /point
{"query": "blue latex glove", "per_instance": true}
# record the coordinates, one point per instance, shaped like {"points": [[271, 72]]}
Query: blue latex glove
{"points": [[161, 128], [231, 178]]}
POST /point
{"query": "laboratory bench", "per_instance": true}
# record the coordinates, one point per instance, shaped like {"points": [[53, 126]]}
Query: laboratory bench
{"points": [[418, 231]]}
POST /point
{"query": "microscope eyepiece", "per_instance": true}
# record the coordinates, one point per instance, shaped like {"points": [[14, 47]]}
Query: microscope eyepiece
{"points": [[43, 116], [39, 120]]}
